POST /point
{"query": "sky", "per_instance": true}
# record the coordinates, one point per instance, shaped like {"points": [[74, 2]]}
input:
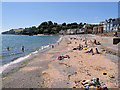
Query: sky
{"points": [[26, 14]]}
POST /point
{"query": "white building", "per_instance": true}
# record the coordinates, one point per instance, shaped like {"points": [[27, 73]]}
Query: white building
{"points": [[112, 26]]}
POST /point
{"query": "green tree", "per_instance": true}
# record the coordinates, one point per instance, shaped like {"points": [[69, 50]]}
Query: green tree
{"points": [[64, 24], [55, 24], [50, 23]]}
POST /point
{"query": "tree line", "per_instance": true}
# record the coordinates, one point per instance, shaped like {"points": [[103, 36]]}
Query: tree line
{"points": [[46, 28]]}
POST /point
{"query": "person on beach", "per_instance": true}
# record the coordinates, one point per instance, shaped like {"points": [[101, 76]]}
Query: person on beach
{"points": [[22, 48], [8, 48], [91, 51], [79, 45], [85, 42], [97, 51], [52, 46], [94, 41], [98, 43], [93, 81], [86, 83], [115, 34]]}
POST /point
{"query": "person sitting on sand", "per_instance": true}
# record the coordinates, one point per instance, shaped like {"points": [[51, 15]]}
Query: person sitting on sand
{"points": [[95, 81], [98, 43], [94, 41], [79, 45], [91, 51], [97, 51], [85, 42], [103, 86]]}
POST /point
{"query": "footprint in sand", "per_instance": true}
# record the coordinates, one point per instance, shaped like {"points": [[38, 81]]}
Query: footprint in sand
{"points": [[98, 68]]}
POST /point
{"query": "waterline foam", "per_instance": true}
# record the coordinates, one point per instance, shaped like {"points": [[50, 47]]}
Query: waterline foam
{"points": [[25, 58]]}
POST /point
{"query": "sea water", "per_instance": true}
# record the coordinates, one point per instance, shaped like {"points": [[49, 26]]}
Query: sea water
{"points": [[31, 45]]}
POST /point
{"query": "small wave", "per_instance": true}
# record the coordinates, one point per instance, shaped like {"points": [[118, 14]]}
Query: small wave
{"points": [[13, 62], [4, 67], [43, 47], [35, 52], [4, 55], [59, 39]]}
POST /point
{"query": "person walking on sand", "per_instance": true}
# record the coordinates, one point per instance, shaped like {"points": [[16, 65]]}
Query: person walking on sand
{"points": [[23, 48]]}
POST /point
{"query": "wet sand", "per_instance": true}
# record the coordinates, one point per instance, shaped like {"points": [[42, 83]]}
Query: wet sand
{"points": [[45, 71]]}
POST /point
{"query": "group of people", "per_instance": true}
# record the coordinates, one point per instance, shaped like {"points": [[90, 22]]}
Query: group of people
{"points": [[8, 48], [95, 83], [85, 46]]}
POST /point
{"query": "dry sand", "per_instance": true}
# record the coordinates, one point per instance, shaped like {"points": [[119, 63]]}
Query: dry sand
{"points": [[46, 71]]}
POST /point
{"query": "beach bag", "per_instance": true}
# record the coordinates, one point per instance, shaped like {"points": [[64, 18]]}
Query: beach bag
{"points": [[60, 58]]}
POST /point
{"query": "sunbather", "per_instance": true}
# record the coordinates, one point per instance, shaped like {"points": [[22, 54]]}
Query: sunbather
{"points": [[91, 50], [98, 43], [95, 81], [86, 83], [103, 86], [97, 51]]}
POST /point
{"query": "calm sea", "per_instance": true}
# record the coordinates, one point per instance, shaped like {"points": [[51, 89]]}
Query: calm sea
{"points": [[30, 43]]}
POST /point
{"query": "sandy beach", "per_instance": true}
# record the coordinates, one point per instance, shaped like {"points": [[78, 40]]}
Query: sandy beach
{"points": [[46, 71]]}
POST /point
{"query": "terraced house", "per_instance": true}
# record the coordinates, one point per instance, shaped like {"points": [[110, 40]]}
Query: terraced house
{"points": [[112, 25]]}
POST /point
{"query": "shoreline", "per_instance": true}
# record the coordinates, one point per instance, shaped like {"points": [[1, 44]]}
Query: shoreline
{"points": [[57, 73], [14, 65]]}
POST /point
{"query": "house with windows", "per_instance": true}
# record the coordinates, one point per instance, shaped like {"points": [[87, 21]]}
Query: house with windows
{"points": [[62, 32], [98, 29], [74, 31], [95, 30], [112, 25], [88, 28]]}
